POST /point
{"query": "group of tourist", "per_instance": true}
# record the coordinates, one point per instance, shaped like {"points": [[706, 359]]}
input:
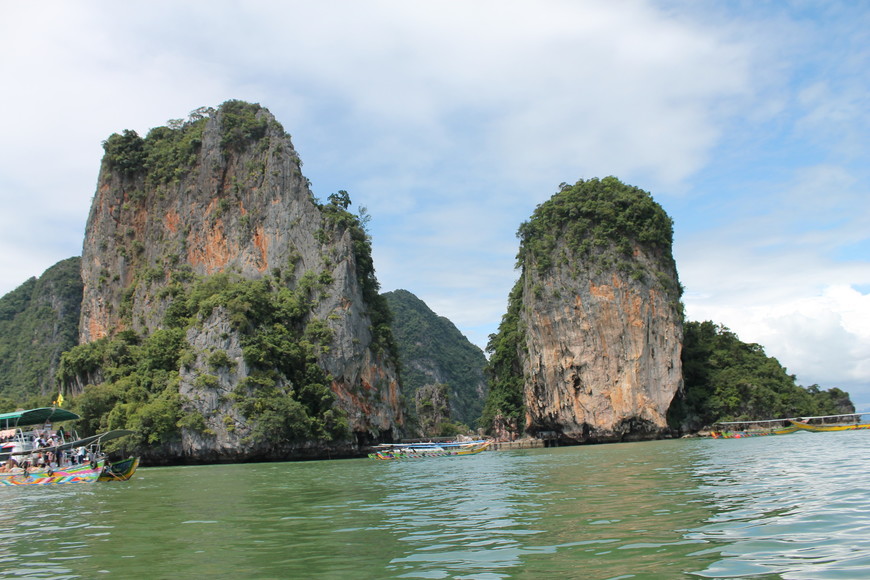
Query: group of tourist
{"points": [[44, 454]]}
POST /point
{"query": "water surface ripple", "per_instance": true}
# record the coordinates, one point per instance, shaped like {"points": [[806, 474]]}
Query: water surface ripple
{"points": [[774, 507]]}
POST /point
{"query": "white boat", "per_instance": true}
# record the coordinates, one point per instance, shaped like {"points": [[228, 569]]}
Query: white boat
{"points": [[388, 451]]}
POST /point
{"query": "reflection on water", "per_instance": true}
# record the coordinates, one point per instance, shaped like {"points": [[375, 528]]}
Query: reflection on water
{"points": [[794, 506], [772, 507]]}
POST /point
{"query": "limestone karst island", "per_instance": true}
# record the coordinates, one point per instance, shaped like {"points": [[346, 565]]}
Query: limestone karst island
{"points": [[223, 313]]}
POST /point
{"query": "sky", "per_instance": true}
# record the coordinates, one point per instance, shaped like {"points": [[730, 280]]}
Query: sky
{"points": [[450, 121]]}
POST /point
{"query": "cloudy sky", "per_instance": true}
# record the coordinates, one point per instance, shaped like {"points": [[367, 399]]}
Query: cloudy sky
{"points": [[451, 120]]}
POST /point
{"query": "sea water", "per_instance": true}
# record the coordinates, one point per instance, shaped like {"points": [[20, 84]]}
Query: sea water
{"points": [[792, 506]]}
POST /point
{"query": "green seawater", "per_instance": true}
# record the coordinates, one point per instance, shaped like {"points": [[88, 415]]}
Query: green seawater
{"points": [[795, 506]]}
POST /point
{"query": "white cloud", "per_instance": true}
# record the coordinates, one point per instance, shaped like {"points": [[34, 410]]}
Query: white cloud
{"points": [[450, 121], [823, 339]]}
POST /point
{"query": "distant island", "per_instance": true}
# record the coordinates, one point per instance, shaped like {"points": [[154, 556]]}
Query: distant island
{"points": [[224, 313]]}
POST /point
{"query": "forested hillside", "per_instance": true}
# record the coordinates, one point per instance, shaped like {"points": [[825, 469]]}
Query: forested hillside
{"points": [[727, 379], [431, 351], [38, 321]]}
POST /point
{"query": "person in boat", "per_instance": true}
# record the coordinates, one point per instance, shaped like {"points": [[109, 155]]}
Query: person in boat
{"points": [[10, 464]]}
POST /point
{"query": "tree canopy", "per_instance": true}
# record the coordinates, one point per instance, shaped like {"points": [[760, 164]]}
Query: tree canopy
{"points": [[592, 215], [727, 379], [286, 397], [38, 321], [432, 350]]}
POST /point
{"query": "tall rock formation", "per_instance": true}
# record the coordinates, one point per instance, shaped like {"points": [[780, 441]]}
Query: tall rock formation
{"points": [[208, 228], [590, 346], [432, 352]]}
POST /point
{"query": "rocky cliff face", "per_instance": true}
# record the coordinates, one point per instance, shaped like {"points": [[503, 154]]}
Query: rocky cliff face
{"points": [[223, 194], [597, 319], [606, 364]]}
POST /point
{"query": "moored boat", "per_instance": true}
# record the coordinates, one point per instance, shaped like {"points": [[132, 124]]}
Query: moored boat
{"points": [[821, 424], [421, 450], [729, 434], [120, 470], [82, 473], [814, 428], [32, 452]]}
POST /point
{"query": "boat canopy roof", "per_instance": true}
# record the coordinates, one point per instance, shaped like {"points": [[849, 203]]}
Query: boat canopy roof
{"points": [[36, 417]]}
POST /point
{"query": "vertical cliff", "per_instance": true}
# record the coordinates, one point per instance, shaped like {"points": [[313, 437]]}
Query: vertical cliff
{"points": [[206, 230], [590, 346]]}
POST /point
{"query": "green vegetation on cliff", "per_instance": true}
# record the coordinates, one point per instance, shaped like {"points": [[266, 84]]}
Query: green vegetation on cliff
{"points": [[597, 223], [727, 379], [338, 221], [169, 152], [286, 398], [132, 381], [592, 226], [136, 386], [283, 323], [432, 409], [241, 124], [38, 321], [433, 351], [505, 406]]}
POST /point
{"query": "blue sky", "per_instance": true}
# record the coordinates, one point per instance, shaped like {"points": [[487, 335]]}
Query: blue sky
{"points": [[450, 121]]}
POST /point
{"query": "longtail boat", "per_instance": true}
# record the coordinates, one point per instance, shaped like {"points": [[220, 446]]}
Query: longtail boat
{"points": [[731, 434], [812, 428], [821, 424], [32, 452], [420, 450], [82, 473], [120, 470]]}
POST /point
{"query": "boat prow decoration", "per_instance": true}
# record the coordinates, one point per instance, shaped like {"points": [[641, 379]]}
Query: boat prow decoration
{"points": [[120, 470]]}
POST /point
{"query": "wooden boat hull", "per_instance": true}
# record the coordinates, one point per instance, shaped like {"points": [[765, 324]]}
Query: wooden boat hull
{"points": [[829, 428], [121, 470], [820, 424], [744, 434], [84, 473], [793, 428]]}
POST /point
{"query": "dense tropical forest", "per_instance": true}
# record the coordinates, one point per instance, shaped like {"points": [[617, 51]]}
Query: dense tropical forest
{"points": [[727, 379], [38, 322], [433, 351]]}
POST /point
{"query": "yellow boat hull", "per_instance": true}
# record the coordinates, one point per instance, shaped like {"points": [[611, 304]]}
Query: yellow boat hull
{"points": [[828, 428]]}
